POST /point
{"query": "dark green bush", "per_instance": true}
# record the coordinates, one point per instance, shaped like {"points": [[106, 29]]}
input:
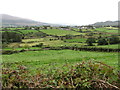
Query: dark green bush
{"points": [[11, 37], [39, 45], [114, 39], [102, 41], [90, 41]]}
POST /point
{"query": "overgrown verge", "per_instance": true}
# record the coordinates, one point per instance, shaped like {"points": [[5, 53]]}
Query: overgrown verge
{"points": [[89, 74]]}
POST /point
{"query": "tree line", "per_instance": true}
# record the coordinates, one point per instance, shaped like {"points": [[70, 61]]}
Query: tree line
{"points": [[103, 40], [11, 37]]}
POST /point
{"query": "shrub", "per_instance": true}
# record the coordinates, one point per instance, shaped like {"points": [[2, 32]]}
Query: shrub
{"points": [[11, 37], [68, 36], [102, 41], [82, 75], [114, 40], [4, 45], [39, 45], [90, 41], [26, 46]]}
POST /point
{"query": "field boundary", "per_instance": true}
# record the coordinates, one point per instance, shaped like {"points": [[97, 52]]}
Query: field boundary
{"points": [[63, 48]]}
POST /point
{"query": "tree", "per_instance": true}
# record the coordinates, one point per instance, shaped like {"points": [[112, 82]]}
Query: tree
{"points": [[26, 27], [11, 37], [80, 30], [114, 39], [102, 41], [90, 41], [68, 36]]}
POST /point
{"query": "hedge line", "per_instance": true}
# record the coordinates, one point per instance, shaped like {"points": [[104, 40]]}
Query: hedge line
{"points": [[65, 47]]}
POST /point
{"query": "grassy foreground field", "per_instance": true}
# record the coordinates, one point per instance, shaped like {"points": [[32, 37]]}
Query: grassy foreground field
{"points": [[36, 59]]}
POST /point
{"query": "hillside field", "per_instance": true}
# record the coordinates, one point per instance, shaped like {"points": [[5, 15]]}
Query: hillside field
{"points": [[60, 32]]}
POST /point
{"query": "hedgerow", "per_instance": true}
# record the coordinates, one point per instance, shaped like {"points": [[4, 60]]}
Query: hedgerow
{"points": [[87, 74]]}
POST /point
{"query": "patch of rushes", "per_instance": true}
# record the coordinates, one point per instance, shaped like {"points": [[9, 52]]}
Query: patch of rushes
{"points": [[76, 40]]}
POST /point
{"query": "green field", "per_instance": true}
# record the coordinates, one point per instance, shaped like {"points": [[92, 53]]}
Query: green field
{"points": [[83, 30], [21, 31], [36, 59], [76, 40], [114, 46], [106, 30], [29, 40], [20, 48], [60, 32], [12, 31], [28, 31], [14, 28], [111, 28]]}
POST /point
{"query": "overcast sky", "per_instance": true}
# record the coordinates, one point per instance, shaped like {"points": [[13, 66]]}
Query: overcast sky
{"points": [[77, 12]]}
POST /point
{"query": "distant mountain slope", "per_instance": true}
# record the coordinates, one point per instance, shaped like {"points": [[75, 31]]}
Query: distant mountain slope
{"points": [[8, 20], [107, 23]]}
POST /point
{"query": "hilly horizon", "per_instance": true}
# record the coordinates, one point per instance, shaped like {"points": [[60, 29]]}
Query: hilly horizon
{"points": [[106, 23], [9, 20]]}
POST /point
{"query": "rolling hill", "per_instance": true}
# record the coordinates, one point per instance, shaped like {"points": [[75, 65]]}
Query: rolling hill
{"points": [[106, 23], [8, 20]]}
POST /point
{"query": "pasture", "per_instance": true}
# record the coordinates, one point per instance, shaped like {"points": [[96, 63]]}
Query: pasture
{"points": [[59, 32], [79, 40], [12, 31], [36, 59], [107, 30], [14, 28], [28, 31], [114, 46]]}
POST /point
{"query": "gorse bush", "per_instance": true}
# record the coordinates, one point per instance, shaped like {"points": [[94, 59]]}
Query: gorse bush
{"points": [[87, 74]]}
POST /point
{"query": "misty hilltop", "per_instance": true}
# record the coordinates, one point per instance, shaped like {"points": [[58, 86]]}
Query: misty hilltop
{"points": [[106, 23], [8, 20]]}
